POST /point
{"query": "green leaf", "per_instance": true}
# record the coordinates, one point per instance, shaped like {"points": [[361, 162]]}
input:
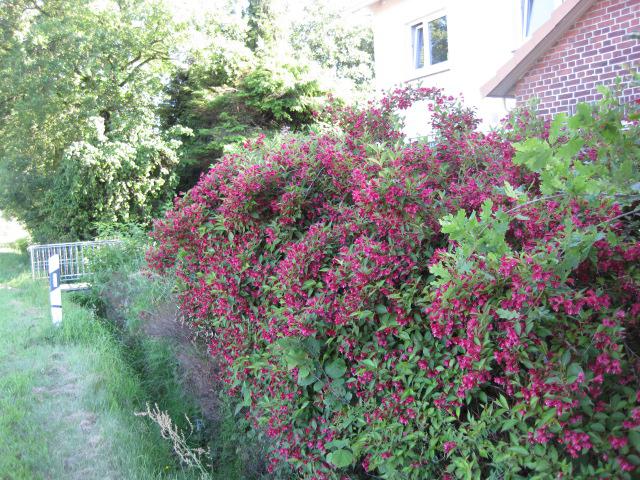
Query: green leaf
{"points": [[486, 211], [566, 358], [336, 444], [455, 225], [367, 362], [556, 127], [509, 424], [548, 415], [571, 148], [305, 378], [246, 395], [520, 450], [340, 458], [634, 459], [381, 309], [534, 153], [296, 357], [336, 368], [582, 118], [308, 285], [440, 271], [510, 191], [574, 370], [634, 438], [507, 314]]}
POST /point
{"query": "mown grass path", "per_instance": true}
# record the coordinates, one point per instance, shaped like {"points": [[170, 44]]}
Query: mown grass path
{"points": [[67, 396]]}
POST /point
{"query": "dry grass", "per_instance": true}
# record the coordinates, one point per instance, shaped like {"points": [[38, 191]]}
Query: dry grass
{"points": [[190, 457]]}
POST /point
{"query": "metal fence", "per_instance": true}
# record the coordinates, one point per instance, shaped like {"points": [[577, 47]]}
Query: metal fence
{"points": [[74, 261]]}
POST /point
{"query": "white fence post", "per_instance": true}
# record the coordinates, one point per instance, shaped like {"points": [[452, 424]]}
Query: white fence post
{"points": [[55, 293]]}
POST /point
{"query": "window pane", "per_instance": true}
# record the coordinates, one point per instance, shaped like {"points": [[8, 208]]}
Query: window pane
{"points": [[438, 42], [418, 46], [538, 12]]}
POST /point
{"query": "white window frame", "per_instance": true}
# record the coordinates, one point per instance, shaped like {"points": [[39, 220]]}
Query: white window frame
{"points": [[427, 68], [414, 39], [525, 17]]}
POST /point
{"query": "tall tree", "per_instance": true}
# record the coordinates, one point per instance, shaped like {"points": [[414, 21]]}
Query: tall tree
{"points": [[339, 42], [262, 25], [79, 84]]}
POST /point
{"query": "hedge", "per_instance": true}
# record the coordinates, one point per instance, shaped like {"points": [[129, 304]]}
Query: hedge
{"points": [[460, 307]]}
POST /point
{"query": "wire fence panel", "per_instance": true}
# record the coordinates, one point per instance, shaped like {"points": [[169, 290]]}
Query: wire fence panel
{"points": [[74, 258]]}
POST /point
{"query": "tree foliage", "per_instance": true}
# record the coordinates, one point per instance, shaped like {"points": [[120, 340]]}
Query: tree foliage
{"points": [[82, 76], [90, 98], [253, 76], [262, 26], [227, 93], [342, 44]]}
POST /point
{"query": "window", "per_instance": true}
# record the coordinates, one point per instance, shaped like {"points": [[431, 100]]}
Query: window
{"points": [[535, 13], [434, 48], [438, 41], [417, 32]]}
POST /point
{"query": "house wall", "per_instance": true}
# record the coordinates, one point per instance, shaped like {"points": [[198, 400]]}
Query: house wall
{"points": [[482, 36], [593, 52]]}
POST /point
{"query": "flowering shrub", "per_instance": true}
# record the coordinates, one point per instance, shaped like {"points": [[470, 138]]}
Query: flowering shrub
{"points": [[460, 308]]}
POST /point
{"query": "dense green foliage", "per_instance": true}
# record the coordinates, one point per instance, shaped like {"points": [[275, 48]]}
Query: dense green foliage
{"points": [[223, 108], [466, 307], [251, 80], [79, 84], [94, 95]]}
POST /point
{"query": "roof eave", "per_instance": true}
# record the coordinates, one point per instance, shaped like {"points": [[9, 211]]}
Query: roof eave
{"points": [[364, 4], [504, 82]]}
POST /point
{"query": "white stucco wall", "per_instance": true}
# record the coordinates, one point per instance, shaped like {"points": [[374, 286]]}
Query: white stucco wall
{"points": [[482, 36]]}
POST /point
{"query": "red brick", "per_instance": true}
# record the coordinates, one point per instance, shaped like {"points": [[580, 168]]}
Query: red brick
{"points": [[593, 51]]}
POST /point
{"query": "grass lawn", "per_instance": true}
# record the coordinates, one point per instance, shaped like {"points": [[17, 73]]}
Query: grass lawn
{"points": [[67, 395]]}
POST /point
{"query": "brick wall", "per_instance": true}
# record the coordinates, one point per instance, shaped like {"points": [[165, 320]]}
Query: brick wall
{"points": [[594, 51]]}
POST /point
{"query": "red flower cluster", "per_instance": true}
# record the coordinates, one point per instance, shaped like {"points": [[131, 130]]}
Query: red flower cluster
{"points": [[358, 335]]}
